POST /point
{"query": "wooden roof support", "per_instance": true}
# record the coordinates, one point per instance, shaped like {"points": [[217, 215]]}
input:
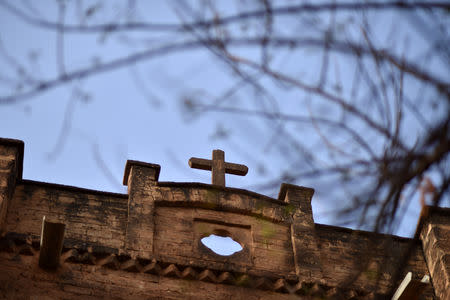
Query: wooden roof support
{"points": [[411, 289], [52, 238]]}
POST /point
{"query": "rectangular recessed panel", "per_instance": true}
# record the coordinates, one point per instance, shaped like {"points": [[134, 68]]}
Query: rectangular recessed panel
{"points": [[266, 245]]}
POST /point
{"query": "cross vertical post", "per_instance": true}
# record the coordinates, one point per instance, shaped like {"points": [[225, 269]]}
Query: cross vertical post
{"points": [[218, 167]]}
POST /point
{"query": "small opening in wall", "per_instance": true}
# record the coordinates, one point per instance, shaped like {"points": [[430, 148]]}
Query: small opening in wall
{"points": [[221, 245]]}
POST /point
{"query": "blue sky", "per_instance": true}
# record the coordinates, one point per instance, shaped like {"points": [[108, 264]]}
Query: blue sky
{"points": [[138, 112]]}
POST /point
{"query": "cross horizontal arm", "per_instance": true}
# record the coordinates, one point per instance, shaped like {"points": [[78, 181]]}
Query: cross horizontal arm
{"points": [[200, 163], [236, 169], [206, 164]]}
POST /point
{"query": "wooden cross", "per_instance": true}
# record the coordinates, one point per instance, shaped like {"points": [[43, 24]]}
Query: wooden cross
{"points": [[218, 166]]}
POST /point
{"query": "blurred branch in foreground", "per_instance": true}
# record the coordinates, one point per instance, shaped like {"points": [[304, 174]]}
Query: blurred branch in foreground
{"points": [[372, 92]]}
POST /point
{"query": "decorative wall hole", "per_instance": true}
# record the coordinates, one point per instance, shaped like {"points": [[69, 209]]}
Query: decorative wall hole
{"points": [[221, 245]]}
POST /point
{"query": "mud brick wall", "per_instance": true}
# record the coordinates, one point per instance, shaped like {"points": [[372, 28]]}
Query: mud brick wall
{"points": [[21, 278], [266, 246], [183, 213], [91, 218], [11, 157], [367, 260], [147, 243], [435, 236]]}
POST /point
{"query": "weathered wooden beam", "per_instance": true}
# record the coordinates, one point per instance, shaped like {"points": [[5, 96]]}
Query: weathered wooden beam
{"points": [[411, 289], [52, 238]]}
